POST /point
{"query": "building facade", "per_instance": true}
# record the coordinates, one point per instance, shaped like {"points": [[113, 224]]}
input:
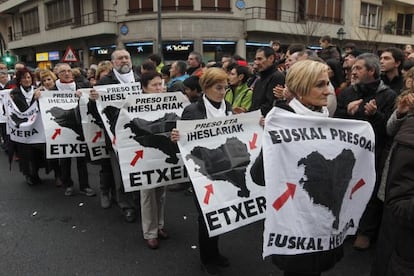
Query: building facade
{"points": [[39, 32]]}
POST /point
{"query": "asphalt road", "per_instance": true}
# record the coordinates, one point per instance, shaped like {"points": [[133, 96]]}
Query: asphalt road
{"points": [[43, 232]]}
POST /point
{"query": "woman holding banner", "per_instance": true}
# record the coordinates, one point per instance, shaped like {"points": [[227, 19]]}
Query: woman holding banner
{"points": [[31, 156], [47, 81], [153, 200], [210, 105], [308, 82]]}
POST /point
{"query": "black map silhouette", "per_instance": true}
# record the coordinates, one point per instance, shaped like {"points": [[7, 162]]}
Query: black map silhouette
{"points": [[112, 114], [69, 118], [326, 181], [17, 120], [227, 162], [155, 134]]}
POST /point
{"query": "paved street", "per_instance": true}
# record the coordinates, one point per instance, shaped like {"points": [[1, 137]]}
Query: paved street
{"points": [[42, 232]]}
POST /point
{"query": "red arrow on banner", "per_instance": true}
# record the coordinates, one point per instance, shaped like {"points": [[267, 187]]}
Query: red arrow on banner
{"points": [[97, 136], [281, 200], [57, 132], [209, 192], [138, 154], [358, 185], [114, 140], [252, 143]]}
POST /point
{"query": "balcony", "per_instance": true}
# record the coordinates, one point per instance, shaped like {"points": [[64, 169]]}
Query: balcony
{"points": [[95, 17], [85, 19], [101, 23], [288, 16]]}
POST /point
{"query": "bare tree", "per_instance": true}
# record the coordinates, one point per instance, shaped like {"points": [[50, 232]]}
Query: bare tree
{"points": [[303, 31], [369, 36]]}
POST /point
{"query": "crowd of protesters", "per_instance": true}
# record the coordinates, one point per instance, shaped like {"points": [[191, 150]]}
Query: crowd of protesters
{"points": [[377, 88]]}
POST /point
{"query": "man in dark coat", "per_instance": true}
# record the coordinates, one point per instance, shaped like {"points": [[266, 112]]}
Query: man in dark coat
{"points": [[110, 175], [391, 61], [264, 63], [368, 99]]}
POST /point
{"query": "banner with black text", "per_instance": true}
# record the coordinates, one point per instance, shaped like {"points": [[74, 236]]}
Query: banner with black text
{"points": [[94, 134], [111, 99], [218, 154], [147, 157], [63, 129], [3, 117], [319, 175], [23, 127]]}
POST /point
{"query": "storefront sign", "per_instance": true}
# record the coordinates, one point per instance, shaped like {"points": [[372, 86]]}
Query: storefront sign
{"points": [[42, 56]]}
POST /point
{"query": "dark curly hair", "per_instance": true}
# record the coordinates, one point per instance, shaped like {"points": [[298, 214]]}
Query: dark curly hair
{"points": [[21, 73]]}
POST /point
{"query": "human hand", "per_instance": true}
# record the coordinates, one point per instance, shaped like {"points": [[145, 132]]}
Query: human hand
{"points": [[353, 106], [370, 107], [175, 135], [405, 104], [238, 110], [93, 95], [38, 92], [279, 91]]}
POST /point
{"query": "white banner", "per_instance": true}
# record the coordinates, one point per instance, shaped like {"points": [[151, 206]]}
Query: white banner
{"points": [[147, 157], [24, 127], [63, 129], [94, 134], [218, 154], [3, 117], [319, 175], [111, 99]]}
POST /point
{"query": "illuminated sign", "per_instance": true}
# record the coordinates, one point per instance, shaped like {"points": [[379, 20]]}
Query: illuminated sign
{"points": [[42, 56], [103, 51], [54, 55], [177, 47]]}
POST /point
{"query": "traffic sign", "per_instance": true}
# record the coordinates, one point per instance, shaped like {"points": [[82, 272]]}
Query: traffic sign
{"points": [[69, 55]]}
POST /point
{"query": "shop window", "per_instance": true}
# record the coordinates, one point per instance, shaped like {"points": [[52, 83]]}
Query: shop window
{"points": [[30, 22]]}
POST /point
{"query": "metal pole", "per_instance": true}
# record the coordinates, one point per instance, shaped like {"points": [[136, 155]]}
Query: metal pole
{"points": [[159, 29]]}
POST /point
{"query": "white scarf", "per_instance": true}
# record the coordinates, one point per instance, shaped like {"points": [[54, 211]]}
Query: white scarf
{"points": [[213, 112], [125, 78], [71, 86], [303, 110], [28, 95]]}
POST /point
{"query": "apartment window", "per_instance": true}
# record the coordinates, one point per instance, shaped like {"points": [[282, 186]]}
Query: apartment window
{"points": [[138, 6], [369, 15], [404, 24], [215, 5], [273, 9], [58, 13], [176, 5], [30, 22], [322, 10]]}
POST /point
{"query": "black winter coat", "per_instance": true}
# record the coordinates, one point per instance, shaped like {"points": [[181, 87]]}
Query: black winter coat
{"points": [[263, 97], [395, 247], [385, 99]]}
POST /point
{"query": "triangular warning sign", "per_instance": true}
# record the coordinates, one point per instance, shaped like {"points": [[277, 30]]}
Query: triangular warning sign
{"points": [[69, 55]]}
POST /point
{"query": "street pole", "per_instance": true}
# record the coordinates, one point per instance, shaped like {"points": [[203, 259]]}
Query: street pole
{"points": [[159, 29]]}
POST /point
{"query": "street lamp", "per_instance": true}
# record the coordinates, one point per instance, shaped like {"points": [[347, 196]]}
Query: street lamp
{"points": [[341, 33]]}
